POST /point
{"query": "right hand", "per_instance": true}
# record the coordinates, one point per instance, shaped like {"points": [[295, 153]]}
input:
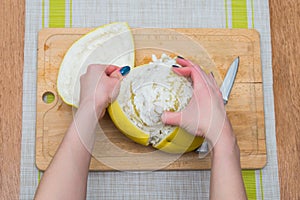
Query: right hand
{"points": [[205, 114]]}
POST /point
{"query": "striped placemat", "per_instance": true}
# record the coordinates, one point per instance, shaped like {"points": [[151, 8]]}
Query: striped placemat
{"points": [[260, 184]]}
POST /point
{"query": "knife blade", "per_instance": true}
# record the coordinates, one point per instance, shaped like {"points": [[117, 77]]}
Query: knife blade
{"points": [[229, 79], [225, 90]]}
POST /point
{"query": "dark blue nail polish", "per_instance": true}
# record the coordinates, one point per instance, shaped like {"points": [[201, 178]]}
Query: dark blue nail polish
{"points": [[180, 57], [125, 70], [176, 66]]}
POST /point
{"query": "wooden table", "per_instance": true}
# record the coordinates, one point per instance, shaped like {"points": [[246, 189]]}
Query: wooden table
{"points": [[285, 34]]}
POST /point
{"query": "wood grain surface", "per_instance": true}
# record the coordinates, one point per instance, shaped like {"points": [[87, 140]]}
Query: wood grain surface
{"points": [[11, 67], [245, 108], [285, 33]]}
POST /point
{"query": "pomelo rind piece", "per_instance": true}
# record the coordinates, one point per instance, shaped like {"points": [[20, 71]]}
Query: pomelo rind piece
{"points": [[110, 44]]}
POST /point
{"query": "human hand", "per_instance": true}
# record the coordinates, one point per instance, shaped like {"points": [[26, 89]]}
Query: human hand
{"points": [[205, 114], [100, 85]]}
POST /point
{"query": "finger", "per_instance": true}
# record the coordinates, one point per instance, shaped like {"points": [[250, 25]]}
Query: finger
{"points": [[183, 71], [187, 63], [116, 74], [110, 69], [96, 67], [196, 76], [183, 62], [103, 113], [213, 80], [171, 118], [214, 84], [116, 89], [119, 74]]}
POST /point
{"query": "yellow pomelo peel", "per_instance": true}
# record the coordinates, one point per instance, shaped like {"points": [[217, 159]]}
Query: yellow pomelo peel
{"points": [[126, 126], [179, 141]]}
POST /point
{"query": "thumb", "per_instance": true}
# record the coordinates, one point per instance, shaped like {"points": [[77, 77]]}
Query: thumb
{"points": [[116, 74], [115, 85], [171, 118], [119, 74]]}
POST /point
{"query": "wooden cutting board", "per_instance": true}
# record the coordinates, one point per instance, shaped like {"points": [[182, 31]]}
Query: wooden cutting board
{"points": [[214, 49]]}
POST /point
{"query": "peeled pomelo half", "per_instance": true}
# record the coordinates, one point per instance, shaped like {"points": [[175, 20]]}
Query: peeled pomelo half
{"points": [[110, 44], [145, 93]]}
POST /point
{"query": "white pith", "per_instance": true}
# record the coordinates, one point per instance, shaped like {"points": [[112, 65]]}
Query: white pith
{"points": [[149, 90], [111, 44]]}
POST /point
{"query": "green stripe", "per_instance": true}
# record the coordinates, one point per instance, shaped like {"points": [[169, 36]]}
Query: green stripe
{"points": [[250, 183], [226, 13], [261, 186], [239, 14], [71, 13], [57, 13], [50, 97], [43, 13], [240, 20], [39, 176]]}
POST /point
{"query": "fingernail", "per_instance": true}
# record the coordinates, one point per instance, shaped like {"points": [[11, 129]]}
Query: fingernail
{"points": [[176, 66], [180, 57], [125, 70]]}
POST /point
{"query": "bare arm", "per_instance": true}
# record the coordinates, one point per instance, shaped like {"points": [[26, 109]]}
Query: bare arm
{"points": [[205, 116], [66, 176], [226, 179]]}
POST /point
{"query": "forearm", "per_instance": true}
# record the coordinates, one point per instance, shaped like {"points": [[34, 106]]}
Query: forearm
{"points": [[66, 176], [226, 177]]}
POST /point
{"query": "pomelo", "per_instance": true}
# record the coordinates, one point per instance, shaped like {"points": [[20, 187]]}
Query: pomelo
{"points": [[145, 92]]}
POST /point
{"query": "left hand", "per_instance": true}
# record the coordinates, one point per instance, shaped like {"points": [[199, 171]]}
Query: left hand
{"points": [[99, 86]]}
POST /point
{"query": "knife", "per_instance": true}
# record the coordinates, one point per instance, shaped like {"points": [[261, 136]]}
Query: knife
{"points": [[229, 80], [225, 90]]}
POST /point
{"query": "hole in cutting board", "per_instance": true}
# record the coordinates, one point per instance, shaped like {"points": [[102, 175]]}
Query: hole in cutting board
{"points": [[48, 97]]}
